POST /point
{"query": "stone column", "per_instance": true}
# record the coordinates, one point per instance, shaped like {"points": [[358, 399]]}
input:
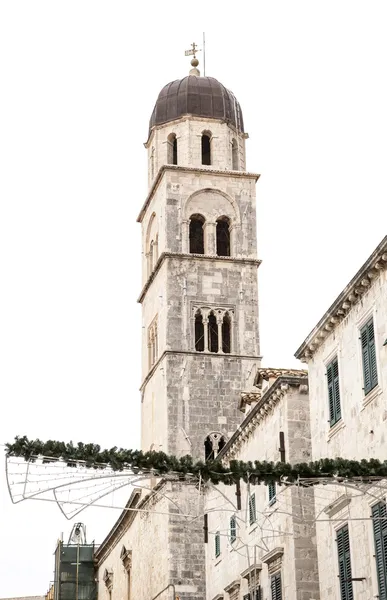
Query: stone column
{"points": [[209, 237], [219, 321], [205, 327], [185, 236]]}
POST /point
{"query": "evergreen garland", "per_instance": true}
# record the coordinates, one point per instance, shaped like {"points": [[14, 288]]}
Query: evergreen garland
{"points": [[256, 472]]}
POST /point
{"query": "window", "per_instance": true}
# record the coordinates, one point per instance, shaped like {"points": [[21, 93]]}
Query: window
{"points": [[379, 516], [233, 526], [235, 157], [272, 493], [212, 329], [217, 544], [333, 391], [252, 509], [152, 343], [226, 333], [196, 234], [223, 237], [213, 337], [152, 163], [213, 445], [199, 332], [172, 149], [276, 587], [206, 148], [370, 373], [345, 571]]}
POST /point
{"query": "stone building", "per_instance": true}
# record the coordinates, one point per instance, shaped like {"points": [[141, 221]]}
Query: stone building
{"points": [[264, 546], [200, 345], [346, 354]]}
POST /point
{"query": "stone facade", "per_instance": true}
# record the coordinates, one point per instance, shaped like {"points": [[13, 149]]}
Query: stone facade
{"points": [[281, 539], [360, 432]]}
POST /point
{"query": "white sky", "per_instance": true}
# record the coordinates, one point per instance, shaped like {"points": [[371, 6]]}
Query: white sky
{"points": [[78, 81]]}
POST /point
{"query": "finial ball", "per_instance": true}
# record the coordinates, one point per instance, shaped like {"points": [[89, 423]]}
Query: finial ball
{"points": [[194, 62]]}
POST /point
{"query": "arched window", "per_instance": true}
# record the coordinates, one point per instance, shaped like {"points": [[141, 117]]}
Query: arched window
{"points": [[223, 237], [199, 332], [213, 445], [196, 234], [206, 148], [152, 343], [235, 155], [226, 334], [172, 149], [213, 337]]}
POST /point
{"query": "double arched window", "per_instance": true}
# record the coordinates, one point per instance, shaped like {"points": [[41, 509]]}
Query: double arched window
{"points": [[213, 330], [197, 241], [172, 149], [151, 244]]}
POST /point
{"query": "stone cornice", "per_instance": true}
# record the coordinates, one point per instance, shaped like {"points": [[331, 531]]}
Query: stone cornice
{"points": [[234, 585], [193, 353], [124, 521], [181, 169], [267, 373], [352, 293], [270, 398], [248, 398], [182, 256]]}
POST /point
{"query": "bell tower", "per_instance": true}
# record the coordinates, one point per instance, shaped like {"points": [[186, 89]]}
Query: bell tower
{"points": [[200, 344]]}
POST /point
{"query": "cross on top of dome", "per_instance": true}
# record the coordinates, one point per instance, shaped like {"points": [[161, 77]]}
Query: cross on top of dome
{"points": [[194, 62]]}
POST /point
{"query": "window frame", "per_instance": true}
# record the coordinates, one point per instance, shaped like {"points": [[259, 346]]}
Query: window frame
{"points": [[381, 550], [272, 491], [333, 390], [366, 357], [217, 544], [344, 563], [233, 529], [275, 578], [252, 509]]}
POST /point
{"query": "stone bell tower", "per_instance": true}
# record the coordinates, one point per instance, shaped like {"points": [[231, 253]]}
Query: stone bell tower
{"points": [[200, 345]]}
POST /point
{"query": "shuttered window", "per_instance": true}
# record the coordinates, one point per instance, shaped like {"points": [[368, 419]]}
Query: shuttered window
{"points": [[370, 372], [345, 571], [379, 516], [276, 587], [217, 544], [232, 529], [252, 509], [272, 493], [334, 392]]}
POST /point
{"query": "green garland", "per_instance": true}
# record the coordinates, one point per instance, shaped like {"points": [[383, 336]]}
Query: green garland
{"points": [[255, 472]]}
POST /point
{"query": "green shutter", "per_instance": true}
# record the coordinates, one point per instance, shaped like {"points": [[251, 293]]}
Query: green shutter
{"points": [[370, 372], [276, 587], [334, 392], [232, 529], [252, 511], [272, 493], [217, 544], [345, 570], [379, 516]]}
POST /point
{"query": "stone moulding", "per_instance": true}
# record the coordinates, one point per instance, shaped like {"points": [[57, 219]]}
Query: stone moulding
{"points": [[267, 373], [218, 597], [182, 256], [253, 570], [352, 293], [266, 404], [178, 168], [233, 586], [338, 505], [273, 559]]}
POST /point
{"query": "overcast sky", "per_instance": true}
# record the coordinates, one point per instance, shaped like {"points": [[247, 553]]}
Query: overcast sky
{"points": [[78, 81]]}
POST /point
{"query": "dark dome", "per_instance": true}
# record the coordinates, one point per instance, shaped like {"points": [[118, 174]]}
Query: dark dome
{"points": [[199, 96]]}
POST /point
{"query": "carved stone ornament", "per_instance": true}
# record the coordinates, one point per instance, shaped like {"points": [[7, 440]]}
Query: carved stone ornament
{"points": [[108, 579], [126, 557], [273, 559]]}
